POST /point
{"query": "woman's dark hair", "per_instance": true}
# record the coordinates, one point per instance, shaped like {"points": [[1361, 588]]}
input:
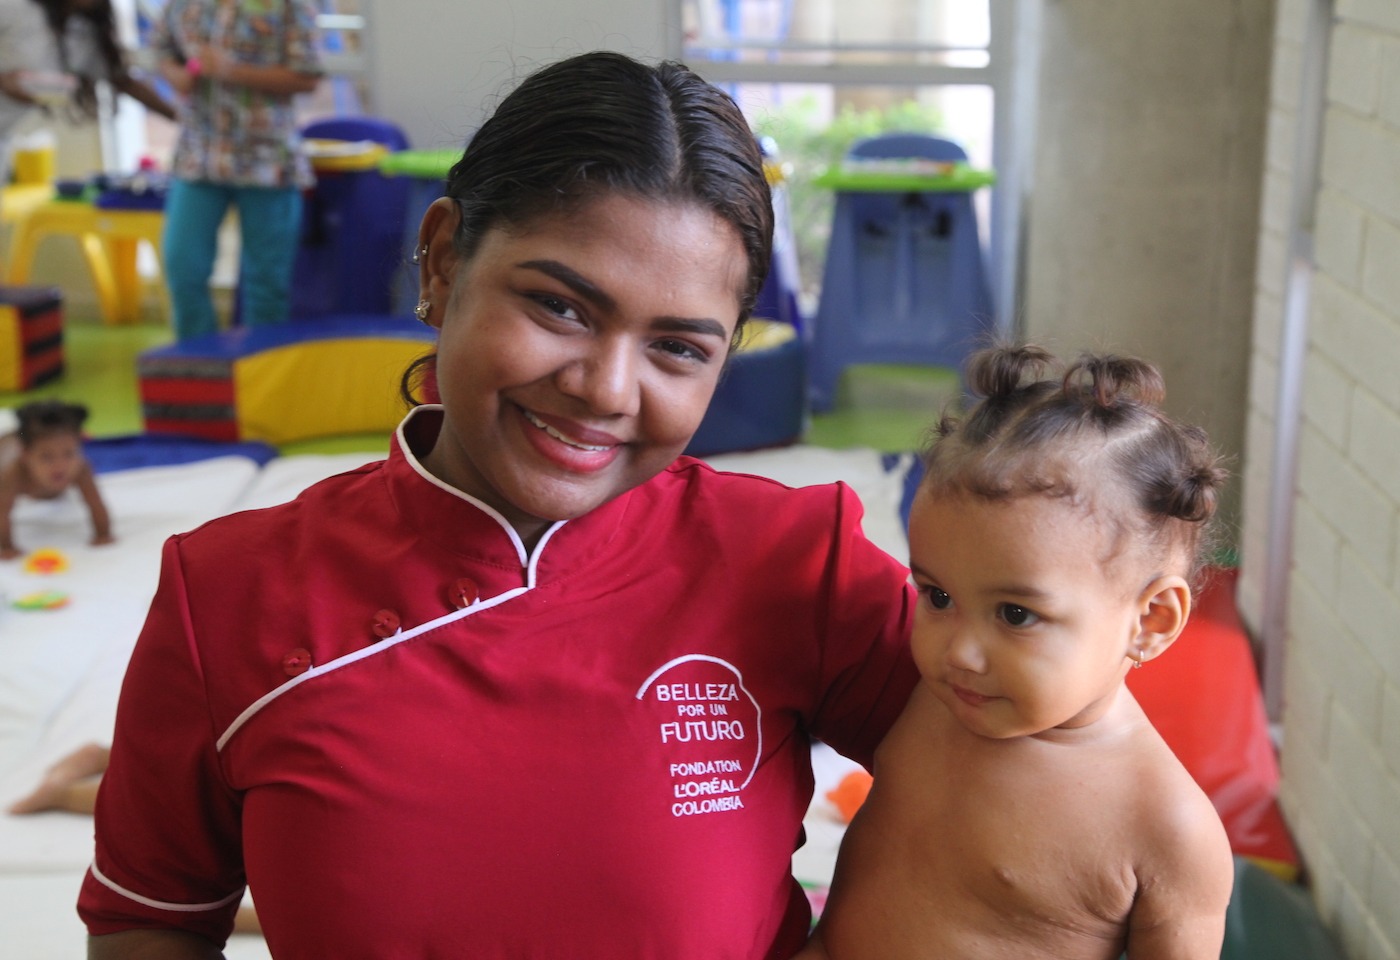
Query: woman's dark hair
{"points": [[46, 418], [1097, 424], [104, 29], [602, 123]]}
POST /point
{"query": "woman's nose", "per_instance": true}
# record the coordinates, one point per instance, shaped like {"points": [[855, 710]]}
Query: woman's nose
{"points": [[606, 379]]}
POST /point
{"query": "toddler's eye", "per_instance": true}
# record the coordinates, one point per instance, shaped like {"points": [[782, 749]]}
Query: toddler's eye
{"points": [[1018, 616], [938, 599]]}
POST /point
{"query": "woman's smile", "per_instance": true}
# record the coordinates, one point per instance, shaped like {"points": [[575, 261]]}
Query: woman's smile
{"points": [[572, 447]]}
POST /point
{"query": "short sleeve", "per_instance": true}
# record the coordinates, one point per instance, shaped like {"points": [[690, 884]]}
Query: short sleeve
{"points": [[867, 671], [9, 52], [25, 40], [167, 825]]}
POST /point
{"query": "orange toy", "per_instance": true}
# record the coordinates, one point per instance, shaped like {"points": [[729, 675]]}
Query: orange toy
{"points": [[850, 793], [45, 561]]}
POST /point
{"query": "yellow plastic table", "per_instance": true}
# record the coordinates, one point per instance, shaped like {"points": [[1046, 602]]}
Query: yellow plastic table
{"points": [[18, 199], [108, 240]]}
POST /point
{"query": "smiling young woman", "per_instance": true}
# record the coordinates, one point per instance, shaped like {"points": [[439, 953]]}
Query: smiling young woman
{"points": [[537, 685]]}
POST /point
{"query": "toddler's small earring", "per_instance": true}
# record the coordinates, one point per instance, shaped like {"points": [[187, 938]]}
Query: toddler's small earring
{"points": [[422, 310], [419, 254]]}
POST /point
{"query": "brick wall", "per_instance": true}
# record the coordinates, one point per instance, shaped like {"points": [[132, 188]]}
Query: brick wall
{"points": [[1341, 716]]}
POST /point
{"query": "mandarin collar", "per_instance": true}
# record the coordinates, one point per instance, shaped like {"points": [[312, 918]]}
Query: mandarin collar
{"points": [[461, 524]]}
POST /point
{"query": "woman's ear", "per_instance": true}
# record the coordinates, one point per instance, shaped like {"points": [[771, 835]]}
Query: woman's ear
{"points": [[1163, 609], [437, 259]]}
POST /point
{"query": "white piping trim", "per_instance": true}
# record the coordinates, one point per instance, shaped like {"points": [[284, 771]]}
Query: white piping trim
{"points": [[161, 904], [419, 469], [539, 552], [641, 692], [332, 665]]}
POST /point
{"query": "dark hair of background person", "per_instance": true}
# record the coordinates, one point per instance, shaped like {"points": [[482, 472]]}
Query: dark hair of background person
{"points": [[100, 14]]}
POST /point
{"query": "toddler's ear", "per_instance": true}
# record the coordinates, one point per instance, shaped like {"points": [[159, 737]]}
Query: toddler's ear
{"points": [[1164, 606]]}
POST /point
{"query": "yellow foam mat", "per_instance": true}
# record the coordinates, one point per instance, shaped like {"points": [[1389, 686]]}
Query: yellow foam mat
{"points": [[322, 388]]}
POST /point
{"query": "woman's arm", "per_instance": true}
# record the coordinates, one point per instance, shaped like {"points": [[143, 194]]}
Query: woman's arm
{"points": [[176, 75], [144, 94], [222, 67], [151, 945], [11, 87]]}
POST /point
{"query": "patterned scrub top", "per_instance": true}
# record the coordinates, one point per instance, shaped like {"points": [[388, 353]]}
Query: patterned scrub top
{"points": [[229, 134]]}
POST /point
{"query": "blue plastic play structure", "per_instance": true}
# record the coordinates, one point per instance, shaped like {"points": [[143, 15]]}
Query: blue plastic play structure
{"points": [[352, 228], [761, 400], [904, 280]]}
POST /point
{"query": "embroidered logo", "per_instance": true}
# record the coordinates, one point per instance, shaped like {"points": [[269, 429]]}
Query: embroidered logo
{"points": [[709, 728]]}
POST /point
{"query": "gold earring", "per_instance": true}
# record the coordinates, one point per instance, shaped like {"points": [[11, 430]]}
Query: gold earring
{"points": [[422, 310]]}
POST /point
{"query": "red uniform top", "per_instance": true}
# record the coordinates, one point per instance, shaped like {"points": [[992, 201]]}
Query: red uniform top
{"points": [[603, 753]]}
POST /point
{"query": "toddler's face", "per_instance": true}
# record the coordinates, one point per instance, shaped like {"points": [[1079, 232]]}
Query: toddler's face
{"points": [[1025, 621], [53, 462]]}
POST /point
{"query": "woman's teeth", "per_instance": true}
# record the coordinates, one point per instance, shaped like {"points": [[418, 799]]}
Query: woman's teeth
{"points": [[560, 437]]}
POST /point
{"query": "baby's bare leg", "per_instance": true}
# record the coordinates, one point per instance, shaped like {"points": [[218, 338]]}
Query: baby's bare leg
{"points": [[70, 784], [813, 951]]}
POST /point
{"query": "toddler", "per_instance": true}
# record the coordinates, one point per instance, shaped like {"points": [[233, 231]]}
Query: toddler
{"points": [[1023, 805], [48, 462]]}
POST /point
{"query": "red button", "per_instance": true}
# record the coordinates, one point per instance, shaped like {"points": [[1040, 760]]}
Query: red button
{"points": [[464, 592], [385, 623], [297, 662]]}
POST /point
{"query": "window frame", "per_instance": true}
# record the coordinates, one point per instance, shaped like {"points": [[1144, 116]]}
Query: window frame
{"points": [[1010, 74]]}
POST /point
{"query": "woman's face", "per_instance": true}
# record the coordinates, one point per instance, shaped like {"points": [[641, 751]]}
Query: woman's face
{"points": [[577, 355]]}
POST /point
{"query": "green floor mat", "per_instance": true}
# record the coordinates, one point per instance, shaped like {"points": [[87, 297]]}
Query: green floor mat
{"points": [[1272, 920]]}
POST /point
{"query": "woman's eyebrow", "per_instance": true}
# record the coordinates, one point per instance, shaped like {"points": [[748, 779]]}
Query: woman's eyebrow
{"points": [[572, 279], [701, 325], [590, 291]]}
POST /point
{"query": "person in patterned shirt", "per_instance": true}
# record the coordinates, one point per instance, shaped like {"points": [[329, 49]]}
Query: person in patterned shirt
{"points": [[237, 64]]}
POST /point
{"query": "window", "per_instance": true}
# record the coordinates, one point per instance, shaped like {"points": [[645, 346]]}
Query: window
{"points": [[950, 33], [815, 75]]}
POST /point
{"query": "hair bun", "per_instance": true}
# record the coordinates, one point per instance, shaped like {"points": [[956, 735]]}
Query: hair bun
{"points": [[1109, 381], [1194, 497], [998, 372]]}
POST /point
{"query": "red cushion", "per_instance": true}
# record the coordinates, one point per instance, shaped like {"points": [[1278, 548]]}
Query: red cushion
{"points": [[1204, 698]]}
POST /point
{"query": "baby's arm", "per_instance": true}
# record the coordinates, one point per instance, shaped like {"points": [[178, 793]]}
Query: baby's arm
{"points": [[101, 521], [1180, 910], [9, 490]]}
